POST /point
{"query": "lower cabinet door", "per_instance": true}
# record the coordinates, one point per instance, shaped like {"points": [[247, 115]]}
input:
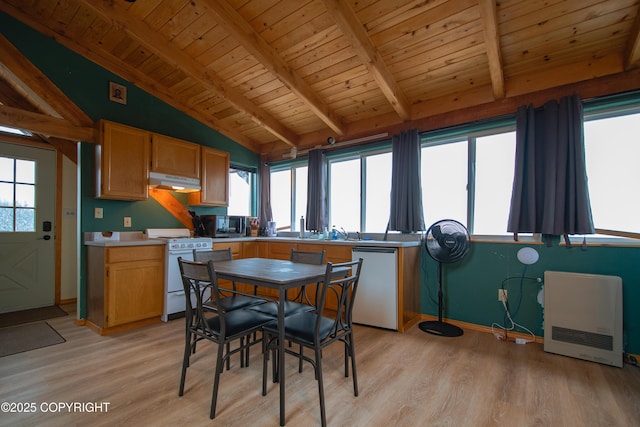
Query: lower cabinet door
{"points": [[134, 291]]}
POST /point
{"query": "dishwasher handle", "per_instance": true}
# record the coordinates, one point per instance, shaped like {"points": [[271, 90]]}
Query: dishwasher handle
{"points": [[375, 249]]}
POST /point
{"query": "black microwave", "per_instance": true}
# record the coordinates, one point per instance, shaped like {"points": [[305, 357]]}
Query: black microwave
{"points": [[224, 225]]}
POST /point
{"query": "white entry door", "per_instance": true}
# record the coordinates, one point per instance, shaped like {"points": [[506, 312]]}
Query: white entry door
{"points": [[27, 220]]}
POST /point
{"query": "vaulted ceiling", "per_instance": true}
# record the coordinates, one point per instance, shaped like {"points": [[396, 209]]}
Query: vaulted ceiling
{"points": [[277, 74]]}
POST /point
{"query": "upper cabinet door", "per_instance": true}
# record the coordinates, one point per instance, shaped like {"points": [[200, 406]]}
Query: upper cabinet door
{"points": [[122, 164], [174, 156], [215, 179]]}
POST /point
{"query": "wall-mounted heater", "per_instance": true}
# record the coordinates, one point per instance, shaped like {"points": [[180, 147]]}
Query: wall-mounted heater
{"points": [[583, 316]]}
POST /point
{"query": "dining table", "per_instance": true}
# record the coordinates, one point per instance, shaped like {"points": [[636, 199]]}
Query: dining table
{"points": [[274, 274]]}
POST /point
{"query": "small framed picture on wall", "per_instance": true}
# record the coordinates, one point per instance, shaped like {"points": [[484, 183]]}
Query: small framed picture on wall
{"points": [[117, 93]]}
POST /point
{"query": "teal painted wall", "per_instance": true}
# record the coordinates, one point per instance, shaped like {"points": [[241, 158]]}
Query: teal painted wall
{"points": [[470, 285], [87, 85]]}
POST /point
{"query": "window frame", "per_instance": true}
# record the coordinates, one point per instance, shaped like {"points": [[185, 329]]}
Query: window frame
{"points": [[349, 156], [293, 168]]}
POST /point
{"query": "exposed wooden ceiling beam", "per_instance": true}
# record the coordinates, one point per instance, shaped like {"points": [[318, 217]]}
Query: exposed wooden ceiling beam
{"points": [[632, 57], [151, 40], [113, 64], [488, 13], [243, 33], [349, 24], [43, 124], [40, 91]]}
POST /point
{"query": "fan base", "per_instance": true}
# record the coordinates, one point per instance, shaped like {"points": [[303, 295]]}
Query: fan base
{"points": [[440, 328]]}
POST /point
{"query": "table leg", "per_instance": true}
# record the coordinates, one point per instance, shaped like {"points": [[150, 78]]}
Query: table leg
{"points": [[281, 353]]}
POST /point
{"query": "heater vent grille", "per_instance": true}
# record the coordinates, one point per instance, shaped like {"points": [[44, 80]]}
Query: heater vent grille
{"points": [[583, 316], [604, 342]]}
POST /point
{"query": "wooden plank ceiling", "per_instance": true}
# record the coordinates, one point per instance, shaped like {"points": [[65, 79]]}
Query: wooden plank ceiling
{"points": [[277, 74]]}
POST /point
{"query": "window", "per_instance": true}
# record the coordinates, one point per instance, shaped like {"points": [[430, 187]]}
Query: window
{"points": [[17, 195], [288, 188], [360, 192], [469, 180], [611, 154], [494, 169], [241, 183], [344, 194], [444, 182]]}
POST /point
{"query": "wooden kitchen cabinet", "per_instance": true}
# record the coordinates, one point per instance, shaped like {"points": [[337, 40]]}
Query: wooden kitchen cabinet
{"points": [[174, 156], [122, 162], [125, 286], [214, 181]]}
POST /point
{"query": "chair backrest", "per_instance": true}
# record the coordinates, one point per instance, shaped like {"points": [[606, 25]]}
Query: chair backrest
{"points": [[197, 279], [343, 286], [307, 257], [213, 255]]}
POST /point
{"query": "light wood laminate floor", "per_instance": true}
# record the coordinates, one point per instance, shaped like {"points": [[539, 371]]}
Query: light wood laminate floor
{"points": [[411, 379]]}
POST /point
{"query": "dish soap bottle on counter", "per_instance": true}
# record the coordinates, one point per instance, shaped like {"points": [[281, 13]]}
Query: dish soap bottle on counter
{"points": [[302, 227], [325, 234]]}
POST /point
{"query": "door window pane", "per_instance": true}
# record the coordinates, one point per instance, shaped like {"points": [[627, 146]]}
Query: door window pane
{"points": [[17, 195], [25, 219], [6, 194], [6, 219], [25, 171], [6, 169], [344, 191], [444, 182], [378, 192], [25, 195], [495, 157]]}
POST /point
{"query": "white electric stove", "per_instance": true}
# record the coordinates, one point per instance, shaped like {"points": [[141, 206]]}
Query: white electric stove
{"points": [[179, 244]]}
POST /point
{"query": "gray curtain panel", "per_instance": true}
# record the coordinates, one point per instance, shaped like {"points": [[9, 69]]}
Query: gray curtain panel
{"points": [[406, 194], [317, 215], [550, 193], [264, 175]]}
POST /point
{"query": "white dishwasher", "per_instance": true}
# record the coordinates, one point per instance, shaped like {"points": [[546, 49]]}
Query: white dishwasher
{"points": [[376, 301]]}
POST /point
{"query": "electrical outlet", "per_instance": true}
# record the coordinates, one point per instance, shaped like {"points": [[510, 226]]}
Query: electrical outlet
{"points": [[502, 294], [127, 221], [97, 212]]}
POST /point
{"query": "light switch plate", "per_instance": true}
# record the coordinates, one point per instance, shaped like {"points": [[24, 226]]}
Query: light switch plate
{"points": [[97, 213], [127, 221]]}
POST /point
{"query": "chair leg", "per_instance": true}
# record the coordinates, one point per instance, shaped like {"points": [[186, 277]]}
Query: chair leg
{"points": [[216, 380], [265, 362], [323, 416], [352, 351], [300, 359], [185, 364]]}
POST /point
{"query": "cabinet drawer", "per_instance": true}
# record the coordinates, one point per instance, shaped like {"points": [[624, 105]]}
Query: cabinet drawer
{"points": [[236, 248], [281, 250], [134, 253]]}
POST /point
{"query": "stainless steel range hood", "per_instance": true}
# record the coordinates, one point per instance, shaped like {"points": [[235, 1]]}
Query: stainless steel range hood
{"points": [[173, 182]]}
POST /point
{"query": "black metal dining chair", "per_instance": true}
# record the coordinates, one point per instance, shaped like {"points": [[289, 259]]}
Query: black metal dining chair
{"points": [[301, 302], [220, 326], [315, 330], [231, 299]]}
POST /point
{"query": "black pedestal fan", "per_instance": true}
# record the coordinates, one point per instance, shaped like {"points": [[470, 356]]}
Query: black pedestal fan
{"points": [[447, 241]]}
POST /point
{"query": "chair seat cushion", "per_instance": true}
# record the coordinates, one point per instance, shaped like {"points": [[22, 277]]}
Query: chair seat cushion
{"points": [[235, 302], [290, 308], [301, 326], [239, 322]]}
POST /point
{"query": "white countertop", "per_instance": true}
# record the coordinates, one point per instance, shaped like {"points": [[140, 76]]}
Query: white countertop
{"points": [[139, 239], [311, 241]]}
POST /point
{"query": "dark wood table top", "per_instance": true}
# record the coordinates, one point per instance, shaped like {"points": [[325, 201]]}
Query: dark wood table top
{"points": [[273, 273]]}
